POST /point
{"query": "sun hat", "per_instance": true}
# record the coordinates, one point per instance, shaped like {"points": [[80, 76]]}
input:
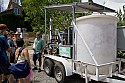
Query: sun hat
{"points": [[17, 33], [3, 27], [11, 33]]}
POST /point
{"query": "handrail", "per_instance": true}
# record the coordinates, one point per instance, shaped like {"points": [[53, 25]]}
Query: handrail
{"points": [[75, 27], [97, 65], [84, 63]]}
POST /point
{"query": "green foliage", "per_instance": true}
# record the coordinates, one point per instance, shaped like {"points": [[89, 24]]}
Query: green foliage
{"points": [[61, 19], [34, 11], [120, 54], [121, 18]]}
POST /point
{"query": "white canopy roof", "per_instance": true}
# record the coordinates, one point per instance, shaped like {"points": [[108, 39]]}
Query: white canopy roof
{"points": [[81, 7]]}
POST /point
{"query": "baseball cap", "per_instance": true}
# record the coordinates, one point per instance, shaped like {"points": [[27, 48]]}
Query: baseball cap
{"points": [[17, 33], [38, 33]]}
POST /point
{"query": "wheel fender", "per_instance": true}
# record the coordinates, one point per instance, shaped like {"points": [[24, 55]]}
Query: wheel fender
{"points": [[67, 63]]}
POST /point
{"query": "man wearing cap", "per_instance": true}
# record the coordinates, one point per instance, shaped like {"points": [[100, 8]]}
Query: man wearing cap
{"points": [[12, 46], [38, 47], [4, 62]]}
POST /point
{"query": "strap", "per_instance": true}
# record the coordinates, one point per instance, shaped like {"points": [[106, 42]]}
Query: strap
{"points": [[19, 53]]}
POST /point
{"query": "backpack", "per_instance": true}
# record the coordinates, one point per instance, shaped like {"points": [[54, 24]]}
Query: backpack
{"points": [[21, 69], [3, 55]]}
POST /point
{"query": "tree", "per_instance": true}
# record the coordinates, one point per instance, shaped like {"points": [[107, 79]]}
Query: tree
{"points": [[11, 20], [34, 11], [121, 17]]}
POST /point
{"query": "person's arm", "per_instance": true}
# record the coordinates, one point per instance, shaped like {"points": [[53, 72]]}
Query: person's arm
{"points": [[42, 46], [16, 53], [26, 55], [6, 44], [34, 44], [9, 42]]}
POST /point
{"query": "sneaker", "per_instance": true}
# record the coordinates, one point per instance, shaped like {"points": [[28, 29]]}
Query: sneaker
{"points": [[35, 68], [39, 70]]}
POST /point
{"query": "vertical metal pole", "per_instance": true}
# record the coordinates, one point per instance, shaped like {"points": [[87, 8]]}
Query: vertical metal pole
{"points": [[51, 29], [73, 49], [73, 13], [68, 35], [45, 26], [110, 70], [97, 73], [86, 77], [73, 18], [119, 65]]}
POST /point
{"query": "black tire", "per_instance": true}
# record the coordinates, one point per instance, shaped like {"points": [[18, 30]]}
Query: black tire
{"points": [[59, 73], [48, 67]]}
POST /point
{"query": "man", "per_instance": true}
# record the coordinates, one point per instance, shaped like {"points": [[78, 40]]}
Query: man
{"points": [[12, 46], [16, 36], [4, 62], [38, 48]]}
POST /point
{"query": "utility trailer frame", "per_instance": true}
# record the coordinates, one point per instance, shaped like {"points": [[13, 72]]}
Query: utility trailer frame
{"points": [[61, 66]]}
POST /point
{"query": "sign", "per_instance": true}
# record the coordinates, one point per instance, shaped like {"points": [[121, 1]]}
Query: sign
{"points": [[65, 51]]}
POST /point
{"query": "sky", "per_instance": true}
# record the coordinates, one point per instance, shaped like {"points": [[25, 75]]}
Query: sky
{"points": [[113, 4], [6, 2]]}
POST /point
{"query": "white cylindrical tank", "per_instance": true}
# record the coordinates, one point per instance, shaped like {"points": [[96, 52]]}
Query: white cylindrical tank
{"points": [[100, 35]]}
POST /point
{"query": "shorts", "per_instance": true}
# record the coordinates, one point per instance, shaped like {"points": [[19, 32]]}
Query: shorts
{"points": [[37, 56], [4, 69]]}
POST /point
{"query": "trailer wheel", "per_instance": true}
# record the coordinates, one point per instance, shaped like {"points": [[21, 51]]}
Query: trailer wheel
{"points": [[48, 67], [59, 73]]}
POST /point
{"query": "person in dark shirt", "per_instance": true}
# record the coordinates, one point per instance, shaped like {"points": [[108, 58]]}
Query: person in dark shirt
{"points": [[12, 46], [4, 62]]}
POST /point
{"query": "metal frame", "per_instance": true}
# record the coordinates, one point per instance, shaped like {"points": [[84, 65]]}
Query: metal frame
{"points": [[78, 7], [97, 76], [82, 7]]}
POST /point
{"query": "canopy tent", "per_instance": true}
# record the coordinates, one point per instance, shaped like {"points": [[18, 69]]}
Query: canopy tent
{"points": [[81, 7]]}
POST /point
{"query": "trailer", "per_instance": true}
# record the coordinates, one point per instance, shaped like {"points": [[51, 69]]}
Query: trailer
{"points": [[87, 48]]}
